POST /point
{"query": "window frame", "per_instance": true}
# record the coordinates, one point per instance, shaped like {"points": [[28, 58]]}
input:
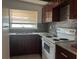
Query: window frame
{"points": [[22, 23]]}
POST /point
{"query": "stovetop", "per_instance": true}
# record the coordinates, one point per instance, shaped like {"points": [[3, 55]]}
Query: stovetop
{"points": [[55, 39]]}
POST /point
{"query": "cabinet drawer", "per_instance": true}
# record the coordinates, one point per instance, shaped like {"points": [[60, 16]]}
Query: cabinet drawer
{"points": [[62, 53]]}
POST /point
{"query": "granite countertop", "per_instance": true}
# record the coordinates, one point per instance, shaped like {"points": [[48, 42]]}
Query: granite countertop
{"points": [[23, 33], [70, 46], [39, 33]]}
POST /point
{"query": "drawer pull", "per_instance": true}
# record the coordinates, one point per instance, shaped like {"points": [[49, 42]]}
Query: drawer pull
{"points": [[64, 55]]}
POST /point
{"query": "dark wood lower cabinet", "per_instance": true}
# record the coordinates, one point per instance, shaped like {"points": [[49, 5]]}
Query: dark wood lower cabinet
{"points": [[25, 44], [61, 53]]}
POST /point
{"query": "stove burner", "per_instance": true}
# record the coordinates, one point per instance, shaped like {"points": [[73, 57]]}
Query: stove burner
{"points": [[63, 39], [56, 39]]}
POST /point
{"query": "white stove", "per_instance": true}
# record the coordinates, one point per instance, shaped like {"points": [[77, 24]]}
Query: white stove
{"points": [[49, 42]]}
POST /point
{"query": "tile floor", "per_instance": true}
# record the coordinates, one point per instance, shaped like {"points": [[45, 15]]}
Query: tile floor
{"points": [[34, 56]]}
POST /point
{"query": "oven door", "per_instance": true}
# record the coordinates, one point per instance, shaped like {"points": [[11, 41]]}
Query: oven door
{"points": [[46, 47], [45, 50], [48, 50]]}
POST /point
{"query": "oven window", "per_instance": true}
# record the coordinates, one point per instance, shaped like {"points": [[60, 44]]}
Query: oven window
{"points": [[46, 47]]}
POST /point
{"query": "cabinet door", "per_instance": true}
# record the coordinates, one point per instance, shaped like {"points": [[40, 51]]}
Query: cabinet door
{"points": [[61, 53], [47, 13], [51, 13], [73, 9], [56, 13], [25, 44]]}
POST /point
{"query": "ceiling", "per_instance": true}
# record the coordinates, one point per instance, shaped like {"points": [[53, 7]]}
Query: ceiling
{"points": [[36, 2]]}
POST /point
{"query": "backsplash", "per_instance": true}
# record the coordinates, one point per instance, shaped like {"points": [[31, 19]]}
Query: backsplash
{"points": [[67, 24]]}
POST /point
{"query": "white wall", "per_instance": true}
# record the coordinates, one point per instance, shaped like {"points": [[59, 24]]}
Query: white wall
{"points": [[5, 44], [5, 30]]}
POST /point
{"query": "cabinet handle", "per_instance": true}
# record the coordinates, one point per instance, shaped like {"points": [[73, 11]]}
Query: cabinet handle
{"points": [[64, 55]]}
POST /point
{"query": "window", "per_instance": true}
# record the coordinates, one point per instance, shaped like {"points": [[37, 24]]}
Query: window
{"points": [[23, 19]]}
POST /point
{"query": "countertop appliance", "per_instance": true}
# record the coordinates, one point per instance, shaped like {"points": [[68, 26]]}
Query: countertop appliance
{"points": [[49, 42]]}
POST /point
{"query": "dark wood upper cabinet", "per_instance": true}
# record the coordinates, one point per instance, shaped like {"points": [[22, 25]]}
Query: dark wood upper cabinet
{"points": [[56, 13], [62, 53], [50, 13], [73, 9], [47, 13]]}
